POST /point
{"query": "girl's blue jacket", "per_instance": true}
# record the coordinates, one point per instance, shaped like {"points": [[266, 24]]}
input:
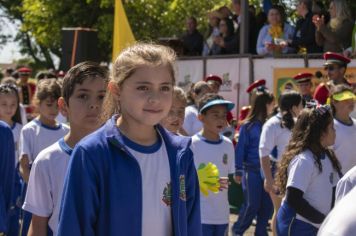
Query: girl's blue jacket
{"points": [[246, 152], [103, 188]]}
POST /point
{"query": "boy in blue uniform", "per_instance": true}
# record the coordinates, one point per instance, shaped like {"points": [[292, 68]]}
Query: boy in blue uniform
{"points": [[84, 88], [209, 146]]}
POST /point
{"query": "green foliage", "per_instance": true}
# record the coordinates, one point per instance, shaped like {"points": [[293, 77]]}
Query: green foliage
{"points": [[42, 20]]}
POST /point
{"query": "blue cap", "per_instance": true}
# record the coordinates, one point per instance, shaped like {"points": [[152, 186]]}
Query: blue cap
{"points": [[229, 105]]}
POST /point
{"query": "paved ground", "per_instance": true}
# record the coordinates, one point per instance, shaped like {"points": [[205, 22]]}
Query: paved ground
{"points": [[249, 232]]}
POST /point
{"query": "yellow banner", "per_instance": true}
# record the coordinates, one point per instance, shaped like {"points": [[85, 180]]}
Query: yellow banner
{"points": [[123, 35], [283, 77]]}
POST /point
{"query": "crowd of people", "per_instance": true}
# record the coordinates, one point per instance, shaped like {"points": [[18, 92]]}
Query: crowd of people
{"points": [[131, 154], [317, 30]]}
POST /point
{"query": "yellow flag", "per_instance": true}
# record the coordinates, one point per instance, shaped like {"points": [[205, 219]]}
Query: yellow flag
{"points": [[123, 35]]}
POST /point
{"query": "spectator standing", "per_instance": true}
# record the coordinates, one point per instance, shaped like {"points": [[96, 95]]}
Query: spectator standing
{"points": [[336, 35], [192, 39], [304, 36], [226, 42]]}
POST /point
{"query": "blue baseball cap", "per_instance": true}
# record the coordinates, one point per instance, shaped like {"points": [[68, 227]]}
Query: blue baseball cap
{"points": [[229, 105]]}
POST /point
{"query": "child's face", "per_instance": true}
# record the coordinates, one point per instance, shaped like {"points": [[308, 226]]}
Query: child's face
{"points": [[85, 104], [328, 137], [297, 109], [8, 106], [270, 107], [48, 109], [145, 98], [175, 118], [214, 120], [344, 107]]}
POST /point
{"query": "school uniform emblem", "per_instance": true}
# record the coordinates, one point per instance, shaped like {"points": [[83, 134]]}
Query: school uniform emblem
{"points": [[182, 193], [224, 159], [167, 194]]}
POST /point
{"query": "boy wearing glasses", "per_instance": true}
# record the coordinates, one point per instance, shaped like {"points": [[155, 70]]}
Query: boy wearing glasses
{"points": [[335, 65]]}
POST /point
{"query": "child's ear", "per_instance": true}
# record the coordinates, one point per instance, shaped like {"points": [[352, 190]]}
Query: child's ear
{"points": [[201, 117], [63, 107], [114, 90]]}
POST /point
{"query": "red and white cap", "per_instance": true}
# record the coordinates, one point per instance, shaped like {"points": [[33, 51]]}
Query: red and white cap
{"points": [[256, 84], [213, 78], [303, 77], [335, 58]]}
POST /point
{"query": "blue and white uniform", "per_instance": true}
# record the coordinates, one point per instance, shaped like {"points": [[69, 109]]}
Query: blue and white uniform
{"points": [[34, 138], [103, 169], [45, 186], [192, 124], [257, 201], [7, 170], [317, 188], [344, 146], [214, 207]]}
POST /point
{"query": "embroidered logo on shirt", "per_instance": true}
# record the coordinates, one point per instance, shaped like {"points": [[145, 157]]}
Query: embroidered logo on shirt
{"points": [[167, 194], [182, 194], [224, 159]]}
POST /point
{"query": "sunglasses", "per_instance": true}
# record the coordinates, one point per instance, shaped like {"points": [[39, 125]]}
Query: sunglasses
{"points": [[330, 68]]}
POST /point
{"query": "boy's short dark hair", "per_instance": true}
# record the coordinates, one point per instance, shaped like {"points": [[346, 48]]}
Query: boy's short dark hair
{"points": [[80, 72], [207, 98], [47, 88]]}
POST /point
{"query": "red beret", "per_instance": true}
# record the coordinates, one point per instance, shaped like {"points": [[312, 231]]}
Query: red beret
{"points": [[256, 84], [24, 70], [303, 77], [335, 58], [213, 78]]}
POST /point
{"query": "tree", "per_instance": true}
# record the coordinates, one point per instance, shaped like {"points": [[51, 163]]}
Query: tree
{"points": [[42, 20]]}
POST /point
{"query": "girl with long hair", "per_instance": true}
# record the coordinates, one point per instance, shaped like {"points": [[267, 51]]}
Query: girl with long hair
{"points": [[257, 202], [275, 135], [308, 174]]}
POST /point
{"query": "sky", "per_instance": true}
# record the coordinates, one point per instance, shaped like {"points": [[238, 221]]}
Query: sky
{"points": [[9, 51]]}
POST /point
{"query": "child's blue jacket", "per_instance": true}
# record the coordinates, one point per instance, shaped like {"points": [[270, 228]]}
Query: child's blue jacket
{"points": [[103, 194], [7, 172], [246, 152]]}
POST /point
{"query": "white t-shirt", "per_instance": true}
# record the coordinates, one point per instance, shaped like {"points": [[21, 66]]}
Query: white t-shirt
{"points": [[45, 186], [341, 221], [317, 187], [273, 135], [35, 137], [214, 207], [192, 124], [344, 146], [345, 184], [156, 187], [16, 130]]}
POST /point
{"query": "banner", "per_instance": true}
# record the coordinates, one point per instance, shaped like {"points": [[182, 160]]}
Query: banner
{"points": [[123, 35], [283, 77]]}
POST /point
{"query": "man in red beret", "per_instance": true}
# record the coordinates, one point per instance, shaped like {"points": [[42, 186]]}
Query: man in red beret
{"points": [[214, 83], [335, 65], [304, 83], [27, 90]]}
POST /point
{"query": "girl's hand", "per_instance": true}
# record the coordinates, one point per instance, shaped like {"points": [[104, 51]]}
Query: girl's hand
{"points": [[318, 21], [268, 185], [224, 183], [269, 46], [238, 179]]}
